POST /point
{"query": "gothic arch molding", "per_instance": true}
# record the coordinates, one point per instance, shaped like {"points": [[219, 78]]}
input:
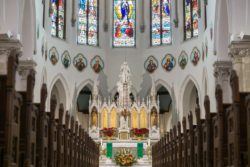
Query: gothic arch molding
{"points": [[64, 86], [187, 90]]}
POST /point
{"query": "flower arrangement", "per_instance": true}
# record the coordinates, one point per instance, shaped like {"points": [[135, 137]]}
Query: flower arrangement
{"points": [[139, 132], [124, 157], [108, 132]]}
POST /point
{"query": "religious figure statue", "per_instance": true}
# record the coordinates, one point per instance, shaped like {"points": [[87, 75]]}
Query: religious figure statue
{"points": [[154, 118], [94, 118], [123, 119]]}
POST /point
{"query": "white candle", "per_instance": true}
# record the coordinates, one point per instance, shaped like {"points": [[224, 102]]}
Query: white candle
{"points": [[148, 142], [101, 142]]}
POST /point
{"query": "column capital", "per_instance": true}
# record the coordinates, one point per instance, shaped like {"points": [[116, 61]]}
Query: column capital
{"points": [[222, 69], [7, 44], [25, 66], [239, 49]]}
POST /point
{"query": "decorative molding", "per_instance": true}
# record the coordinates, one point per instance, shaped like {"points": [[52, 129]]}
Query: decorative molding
{"points": [[25, 66], [239, 49], [222, 70], [8, 43]]}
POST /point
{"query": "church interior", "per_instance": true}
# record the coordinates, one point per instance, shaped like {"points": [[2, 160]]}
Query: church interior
{"points": [[109, 83]]}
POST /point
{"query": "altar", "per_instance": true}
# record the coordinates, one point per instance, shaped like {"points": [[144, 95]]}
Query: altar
{"points": [[143, 161], [124, 118]]}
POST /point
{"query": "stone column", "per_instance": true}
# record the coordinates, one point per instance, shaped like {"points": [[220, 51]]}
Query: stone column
{"points": [[240, 53], [222, 72]]}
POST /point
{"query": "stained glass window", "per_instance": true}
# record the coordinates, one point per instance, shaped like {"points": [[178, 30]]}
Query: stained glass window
{"points": [[124, 17], [160, 22], [88, 22], [191, 18], [58, 18]]}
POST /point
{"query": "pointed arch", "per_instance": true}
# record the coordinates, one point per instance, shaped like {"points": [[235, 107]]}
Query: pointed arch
{"points": [[87, 83], [62, 86], [134, 118], [113, 118], [190, 90], [143, 118], [160, 82]]}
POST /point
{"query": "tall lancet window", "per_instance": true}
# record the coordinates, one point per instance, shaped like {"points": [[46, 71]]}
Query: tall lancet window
{"points": [[58, 18], [191, 23], [88, 22], [161, 22], [124, 23]]}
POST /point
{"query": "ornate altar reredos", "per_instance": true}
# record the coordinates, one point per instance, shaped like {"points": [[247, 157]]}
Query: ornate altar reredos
{"points": [[124, 115]]}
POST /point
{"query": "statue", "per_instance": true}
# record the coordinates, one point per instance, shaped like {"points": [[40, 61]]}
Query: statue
{"points": [[154, 118], [94, 118], [123, 119]]}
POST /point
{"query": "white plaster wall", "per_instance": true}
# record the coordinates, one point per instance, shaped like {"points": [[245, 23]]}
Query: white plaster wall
{"points": [[12, 14], [113, 57]]}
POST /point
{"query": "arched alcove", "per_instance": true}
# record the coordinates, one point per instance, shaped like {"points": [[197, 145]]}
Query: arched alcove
{"points": [[59, 92], [190, 99], [165, 108], [82, 106]]}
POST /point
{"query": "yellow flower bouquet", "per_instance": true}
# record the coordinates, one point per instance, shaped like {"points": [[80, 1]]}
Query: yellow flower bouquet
{"points": [[124, 157]]}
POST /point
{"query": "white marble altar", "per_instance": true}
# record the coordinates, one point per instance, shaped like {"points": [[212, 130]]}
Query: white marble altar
{"points": [[124, 113]]}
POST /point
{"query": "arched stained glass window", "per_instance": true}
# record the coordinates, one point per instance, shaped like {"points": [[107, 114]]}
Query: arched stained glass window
{"points": [[88, 22], [161, 22], [58, 18], [191, 28], [124, 23]]}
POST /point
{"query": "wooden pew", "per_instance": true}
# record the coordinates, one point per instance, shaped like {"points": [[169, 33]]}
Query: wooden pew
{"points": [[179, 146], [42, 131], [3, 94], [175, 147], [184, 142], [12, 115], [190, 141], [60, 138], [198, 142], [67, 141], [72, 141], [207, 135], [237, 127], [76, 144], [248, 125], [52, 154], [220, 132], [28, 129]]}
